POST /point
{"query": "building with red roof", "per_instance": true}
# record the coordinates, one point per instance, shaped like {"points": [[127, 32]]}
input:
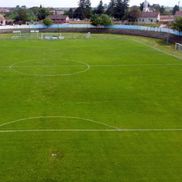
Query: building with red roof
{"points": [[149, 17]]}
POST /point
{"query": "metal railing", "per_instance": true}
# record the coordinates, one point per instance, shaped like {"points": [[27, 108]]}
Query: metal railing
{"points": [[118, 27]]}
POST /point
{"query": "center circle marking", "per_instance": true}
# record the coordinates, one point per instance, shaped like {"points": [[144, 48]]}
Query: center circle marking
{"points": [[41, 64]]}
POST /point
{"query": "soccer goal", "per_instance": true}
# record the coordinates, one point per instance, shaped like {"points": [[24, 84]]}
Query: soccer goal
{"points": [[52, 36], [34, 34], [178, 47], [88, 35], [16, 34]]}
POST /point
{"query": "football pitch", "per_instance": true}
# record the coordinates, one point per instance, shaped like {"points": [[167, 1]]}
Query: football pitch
{"points": [[104, 109]]}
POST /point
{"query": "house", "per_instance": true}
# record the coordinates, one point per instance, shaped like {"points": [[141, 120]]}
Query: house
{"points": [[178, 14], [59, 19], [149, 17], [2, 20], [165, 19], [4, 10], [56, 11]]}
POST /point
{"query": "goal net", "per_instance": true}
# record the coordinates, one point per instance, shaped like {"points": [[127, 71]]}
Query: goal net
{"points": [[52, 36], [16, 34], [34, 34], [178, 47]]}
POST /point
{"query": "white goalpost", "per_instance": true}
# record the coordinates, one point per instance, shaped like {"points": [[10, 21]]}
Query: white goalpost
{"points": [[178, 47]]}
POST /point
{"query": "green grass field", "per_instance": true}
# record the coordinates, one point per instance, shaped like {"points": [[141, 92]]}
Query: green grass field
{"points": [[107, 109]]}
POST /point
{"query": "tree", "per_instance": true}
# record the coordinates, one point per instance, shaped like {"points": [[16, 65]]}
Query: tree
{"points": [[156, 7], [79, 13], [162, 10], [21, 15], [121, 9], [95, 20], [118, 10], [141, 6], [175, 9], [110, 9], [100, 8], [105, 19], [71, 13], [35, 10], [134, 13], [178, 24], [42, 13], [47, 22], [82, 4], [84, 10], [101, 20], [13, 14], [31, 15], [125, 7], [88, 9]]}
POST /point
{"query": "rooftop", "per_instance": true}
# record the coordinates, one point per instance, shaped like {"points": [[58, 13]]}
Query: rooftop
{"points": [[149, 15], [178, 13]]}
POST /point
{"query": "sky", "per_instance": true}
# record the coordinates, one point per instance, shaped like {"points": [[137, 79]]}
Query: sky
{"points": [[73, 3]]}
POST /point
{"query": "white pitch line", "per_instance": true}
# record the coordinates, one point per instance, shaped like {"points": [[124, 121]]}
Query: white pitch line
{"points": [[58, 117], [133, 65], [97, 65], [91, 130], [48, 66], [13, 66]]}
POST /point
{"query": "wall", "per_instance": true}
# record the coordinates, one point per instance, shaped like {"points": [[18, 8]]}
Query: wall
{"points": [[147, 20]]}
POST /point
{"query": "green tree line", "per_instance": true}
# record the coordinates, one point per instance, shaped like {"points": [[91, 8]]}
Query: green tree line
{"points": [[23, 14]]}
